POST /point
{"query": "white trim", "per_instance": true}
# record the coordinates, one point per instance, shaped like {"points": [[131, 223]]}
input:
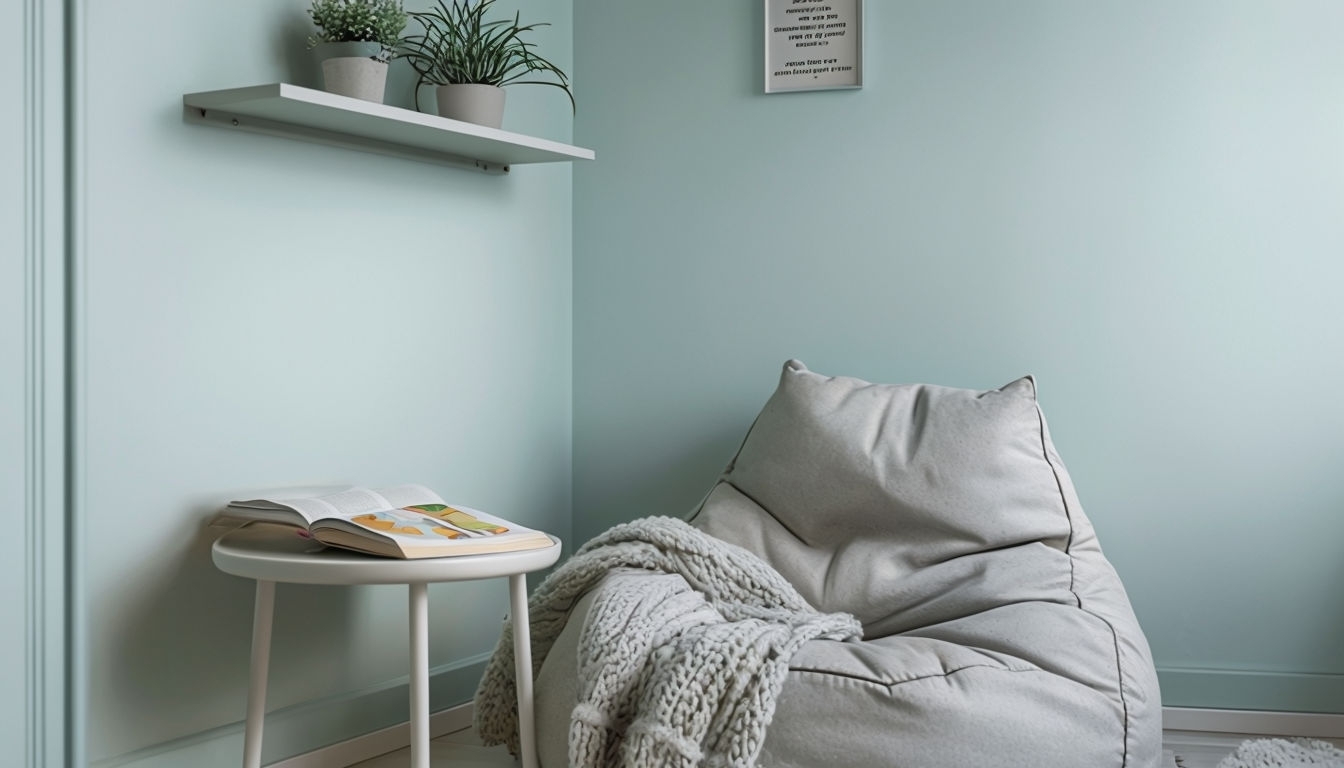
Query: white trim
{"points": [[371, 745], [44, 363], [76, 251], [1307, 724]]}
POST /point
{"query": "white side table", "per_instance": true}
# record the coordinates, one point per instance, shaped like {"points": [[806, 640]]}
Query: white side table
{"points": [[271, 553]]}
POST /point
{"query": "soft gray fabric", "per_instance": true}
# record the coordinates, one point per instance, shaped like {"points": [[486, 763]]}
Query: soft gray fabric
{"points": [[896, 702], [996, 633], [678, 669]]}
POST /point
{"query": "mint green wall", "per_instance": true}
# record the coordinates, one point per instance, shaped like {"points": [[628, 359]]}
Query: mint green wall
{"points": [[253, 312], [1137, 203], [1140, 203]]}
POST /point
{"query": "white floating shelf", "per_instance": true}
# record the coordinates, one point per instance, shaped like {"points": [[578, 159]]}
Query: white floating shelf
{"points": [[281, 109]]}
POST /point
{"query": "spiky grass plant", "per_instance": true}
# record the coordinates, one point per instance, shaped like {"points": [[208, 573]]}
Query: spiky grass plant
{"points": [[359, 21], [460, 46]]}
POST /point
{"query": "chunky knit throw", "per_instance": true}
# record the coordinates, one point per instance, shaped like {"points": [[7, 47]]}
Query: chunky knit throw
{"points": [[676, 669]]}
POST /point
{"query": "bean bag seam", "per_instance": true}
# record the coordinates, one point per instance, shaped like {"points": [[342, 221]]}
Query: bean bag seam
{"points": [[894, 683]]}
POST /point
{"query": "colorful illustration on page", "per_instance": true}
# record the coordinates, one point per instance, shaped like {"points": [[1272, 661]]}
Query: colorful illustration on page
{"points": [[457, 517], [391, 521]]}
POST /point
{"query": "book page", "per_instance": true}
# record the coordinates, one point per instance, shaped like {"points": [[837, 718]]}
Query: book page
{"points": [[312, 508], [471, 522], [346, 503], [398, 496], [349, 502], [409, 533], [400, 523]]}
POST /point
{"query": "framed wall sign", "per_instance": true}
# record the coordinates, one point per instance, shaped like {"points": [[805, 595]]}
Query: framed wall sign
{"points": [[813, 45]]}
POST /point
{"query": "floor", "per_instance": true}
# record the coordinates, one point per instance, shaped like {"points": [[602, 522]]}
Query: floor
{"points": [[462, 749]]}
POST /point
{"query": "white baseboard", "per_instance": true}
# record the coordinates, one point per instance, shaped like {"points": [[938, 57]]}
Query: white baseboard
{"points": [[371, 745], [1238, 721]]}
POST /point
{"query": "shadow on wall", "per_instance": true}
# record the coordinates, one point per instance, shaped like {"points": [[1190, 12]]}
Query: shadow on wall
{"points": [[183, 644], [300, 64], [674, 486]]}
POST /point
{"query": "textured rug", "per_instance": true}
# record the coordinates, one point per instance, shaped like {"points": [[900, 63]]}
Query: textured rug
{"points": [[1283, 753]]}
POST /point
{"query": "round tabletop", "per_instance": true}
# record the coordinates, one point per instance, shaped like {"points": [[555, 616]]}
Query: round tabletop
{"points": [[274, 552]]}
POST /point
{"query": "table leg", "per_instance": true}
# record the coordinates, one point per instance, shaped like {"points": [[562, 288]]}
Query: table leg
{"points": [[419, 675], [262, 613], [522, 656]]}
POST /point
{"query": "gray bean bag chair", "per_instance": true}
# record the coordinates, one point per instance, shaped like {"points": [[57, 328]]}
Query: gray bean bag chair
{"points": [[995, 631]]}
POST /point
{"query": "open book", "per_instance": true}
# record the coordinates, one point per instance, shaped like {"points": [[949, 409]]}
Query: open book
{"points": [[406, 521]]}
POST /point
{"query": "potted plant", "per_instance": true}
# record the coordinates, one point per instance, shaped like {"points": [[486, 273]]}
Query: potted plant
{"points": [[470, 60], [356, 39]]}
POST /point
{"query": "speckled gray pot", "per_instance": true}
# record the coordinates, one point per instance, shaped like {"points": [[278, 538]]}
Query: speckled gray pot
{"points": [[472, 103], [349, 70]]}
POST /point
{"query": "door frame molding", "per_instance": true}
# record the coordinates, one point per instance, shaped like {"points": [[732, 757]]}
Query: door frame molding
{"points": [[46, 260]]}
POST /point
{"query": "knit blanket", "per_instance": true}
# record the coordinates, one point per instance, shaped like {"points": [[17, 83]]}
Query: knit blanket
{"points": [[680, 668]]}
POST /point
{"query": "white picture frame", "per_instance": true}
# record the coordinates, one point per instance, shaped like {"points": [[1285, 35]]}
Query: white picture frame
{"points": [[813, 45]]}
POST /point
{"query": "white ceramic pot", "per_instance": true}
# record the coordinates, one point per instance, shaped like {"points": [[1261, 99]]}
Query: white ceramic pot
{"points": [[348, 69], [472, 103]]}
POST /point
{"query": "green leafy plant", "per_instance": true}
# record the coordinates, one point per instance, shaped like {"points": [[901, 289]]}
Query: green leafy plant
{"points": [[359, 21], [460, 46]]}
